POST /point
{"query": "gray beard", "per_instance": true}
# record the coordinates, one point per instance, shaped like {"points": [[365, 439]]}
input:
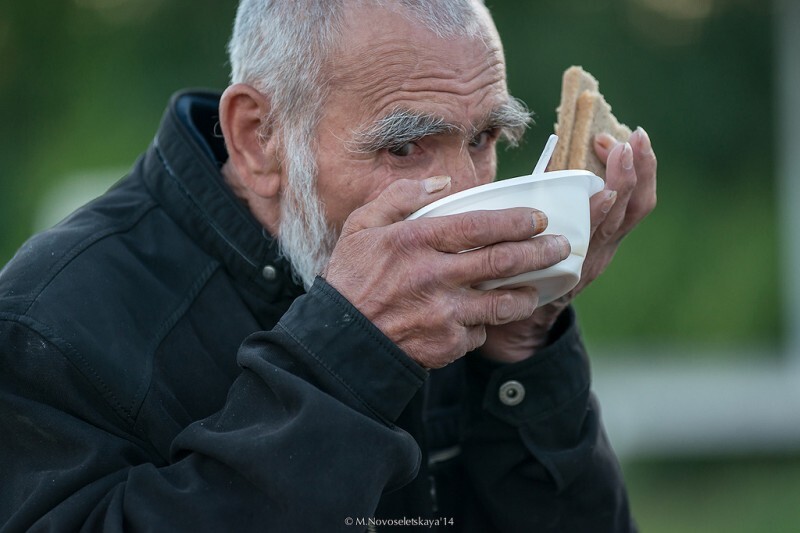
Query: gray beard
{"points": [[305, 238]]}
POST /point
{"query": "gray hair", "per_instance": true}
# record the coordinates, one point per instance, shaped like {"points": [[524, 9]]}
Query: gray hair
{"points": [[282, 48], [402, 126]]}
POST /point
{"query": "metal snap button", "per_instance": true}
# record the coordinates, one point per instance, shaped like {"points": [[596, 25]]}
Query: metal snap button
{"points": [[512, 393], [269, 273]]}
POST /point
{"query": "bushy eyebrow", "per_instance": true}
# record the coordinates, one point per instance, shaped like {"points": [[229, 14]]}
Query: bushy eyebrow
{"points": [[403, 125], [512, 118], [399, 127]]}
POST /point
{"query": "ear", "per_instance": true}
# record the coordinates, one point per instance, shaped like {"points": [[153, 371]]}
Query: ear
{"points": [[252, 146]]}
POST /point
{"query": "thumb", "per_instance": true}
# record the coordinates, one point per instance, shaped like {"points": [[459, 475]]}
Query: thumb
{"points": [[603, 144], [396, 202]]}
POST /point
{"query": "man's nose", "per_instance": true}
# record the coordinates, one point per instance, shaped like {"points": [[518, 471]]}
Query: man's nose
{"points": [[461, 169]]}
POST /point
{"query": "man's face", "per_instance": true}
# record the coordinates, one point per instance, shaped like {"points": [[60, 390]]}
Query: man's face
{"points": [[406, 104]]}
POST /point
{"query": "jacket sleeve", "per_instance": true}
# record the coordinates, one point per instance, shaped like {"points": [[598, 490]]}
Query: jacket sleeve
{"points": [[535, 449], [304, 441]]}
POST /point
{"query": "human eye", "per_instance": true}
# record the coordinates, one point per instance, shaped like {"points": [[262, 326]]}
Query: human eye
{"points": [[484, 139], [404, 150]]}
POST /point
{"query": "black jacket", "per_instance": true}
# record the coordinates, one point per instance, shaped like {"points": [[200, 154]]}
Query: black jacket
{"points": [[161, 371]]}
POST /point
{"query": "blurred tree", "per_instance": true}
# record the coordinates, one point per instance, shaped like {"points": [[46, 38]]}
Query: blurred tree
{"points": [[84, 83]]}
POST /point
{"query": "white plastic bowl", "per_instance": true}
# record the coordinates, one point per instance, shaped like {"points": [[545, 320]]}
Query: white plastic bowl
{"points": [[562, 195]]}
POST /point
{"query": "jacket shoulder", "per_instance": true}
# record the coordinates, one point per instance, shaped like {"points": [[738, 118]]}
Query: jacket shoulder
{"points": [[105, 286]]}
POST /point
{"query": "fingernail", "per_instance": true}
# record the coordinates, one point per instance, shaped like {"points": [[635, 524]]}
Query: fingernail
{"points": [[645, 146], [608, 202], [436, 183], [627, 157], [538, 220], [564, 247], [605, 141]]}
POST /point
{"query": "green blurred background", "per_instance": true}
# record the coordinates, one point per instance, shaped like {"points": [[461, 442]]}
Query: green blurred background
{"points": [[83, 84]]}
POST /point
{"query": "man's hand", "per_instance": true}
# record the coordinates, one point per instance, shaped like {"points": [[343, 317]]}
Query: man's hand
{"points": [[410, 280], [628, 197]]}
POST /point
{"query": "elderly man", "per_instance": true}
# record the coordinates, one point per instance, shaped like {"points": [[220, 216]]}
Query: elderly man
{"points": [[245, 334]]}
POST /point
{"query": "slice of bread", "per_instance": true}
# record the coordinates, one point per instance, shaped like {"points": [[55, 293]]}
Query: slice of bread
{"points": [[592, 117], [589, 116], [574, 81]]}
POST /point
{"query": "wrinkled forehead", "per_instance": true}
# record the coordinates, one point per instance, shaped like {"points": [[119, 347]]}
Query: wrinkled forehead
{"points": [[370, 25], [385, 60]]}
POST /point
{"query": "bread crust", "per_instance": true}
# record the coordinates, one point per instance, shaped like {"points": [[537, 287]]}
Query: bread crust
{"points": [[580, 120], [574, 81]]}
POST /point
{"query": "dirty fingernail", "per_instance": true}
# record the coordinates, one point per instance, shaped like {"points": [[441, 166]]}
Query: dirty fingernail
{"points": [[563, 246], [436, 183], [538, 220]]}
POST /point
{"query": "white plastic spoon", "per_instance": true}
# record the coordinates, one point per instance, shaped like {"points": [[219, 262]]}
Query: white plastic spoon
{"points": [[547, 153]]}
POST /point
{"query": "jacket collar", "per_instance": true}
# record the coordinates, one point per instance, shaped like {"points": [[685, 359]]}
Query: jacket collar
{"points": [[182, 170]]}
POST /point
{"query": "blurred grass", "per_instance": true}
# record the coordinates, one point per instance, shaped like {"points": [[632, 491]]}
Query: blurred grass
{"points": [[703, 272], [735, 495]]}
